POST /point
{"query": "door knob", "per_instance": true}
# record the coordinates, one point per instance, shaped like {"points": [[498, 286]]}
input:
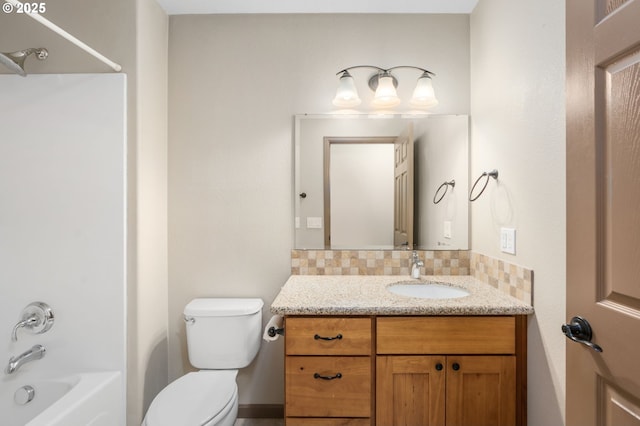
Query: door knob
{"points": [[579, 330]]}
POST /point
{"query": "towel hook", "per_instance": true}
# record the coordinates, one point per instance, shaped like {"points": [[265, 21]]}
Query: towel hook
{"points": [[444, 185], [493, 173]]}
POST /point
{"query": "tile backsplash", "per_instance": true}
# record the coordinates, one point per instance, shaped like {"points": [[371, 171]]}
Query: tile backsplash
{"points": [[509, 278], [377, 262]]}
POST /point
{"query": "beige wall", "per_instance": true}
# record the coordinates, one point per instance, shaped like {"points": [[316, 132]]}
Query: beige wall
{"points": [[518, 127], [235, 84], [133, 34], [148, 344]]}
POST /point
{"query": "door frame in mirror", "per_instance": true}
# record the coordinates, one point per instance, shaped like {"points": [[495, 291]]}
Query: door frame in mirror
{"points": [[328, 142], [446, 135]]}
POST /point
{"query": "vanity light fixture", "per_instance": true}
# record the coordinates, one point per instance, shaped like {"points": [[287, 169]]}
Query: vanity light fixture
{"points": [[384, 84]]}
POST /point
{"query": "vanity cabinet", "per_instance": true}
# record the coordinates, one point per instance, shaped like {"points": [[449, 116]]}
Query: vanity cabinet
{"points": [[453, 371], [405, 370], [328, 371]]}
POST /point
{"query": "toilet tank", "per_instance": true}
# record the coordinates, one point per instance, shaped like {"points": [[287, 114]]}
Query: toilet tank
{"points": [[223, 333]]}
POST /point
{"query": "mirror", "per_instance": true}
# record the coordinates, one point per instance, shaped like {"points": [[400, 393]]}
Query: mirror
{"points": [[347, 197]]}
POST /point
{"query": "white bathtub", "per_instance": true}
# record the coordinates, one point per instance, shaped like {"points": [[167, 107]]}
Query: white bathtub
{"points": [[88, 399]]}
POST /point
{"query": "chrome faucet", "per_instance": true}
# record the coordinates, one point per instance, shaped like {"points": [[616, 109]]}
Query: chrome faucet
{"points": [[416, 264], [29, 322], [36, 318], [35, 353]]}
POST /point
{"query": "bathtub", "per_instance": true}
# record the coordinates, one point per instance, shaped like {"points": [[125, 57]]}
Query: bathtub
{"points": [[87, 399]]}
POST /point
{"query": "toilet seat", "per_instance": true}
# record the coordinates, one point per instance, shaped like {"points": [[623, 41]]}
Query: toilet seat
{"points": [[195, 399]]}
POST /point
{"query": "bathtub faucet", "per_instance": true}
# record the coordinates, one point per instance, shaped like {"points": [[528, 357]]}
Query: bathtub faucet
{"points": [[29, 322], [35, 353]]}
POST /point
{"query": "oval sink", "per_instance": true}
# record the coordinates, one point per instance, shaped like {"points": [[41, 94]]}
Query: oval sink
{"points": [[428, 291]]}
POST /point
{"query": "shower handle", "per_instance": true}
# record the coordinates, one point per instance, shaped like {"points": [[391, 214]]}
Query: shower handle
{"points": [[37, 317]]}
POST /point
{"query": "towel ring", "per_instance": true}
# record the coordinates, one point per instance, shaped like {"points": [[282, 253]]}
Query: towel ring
{"points": [[444, 185], [493, 173]]}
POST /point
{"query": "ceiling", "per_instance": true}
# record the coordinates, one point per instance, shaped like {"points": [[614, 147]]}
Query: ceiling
{"points": [[182, 7]]}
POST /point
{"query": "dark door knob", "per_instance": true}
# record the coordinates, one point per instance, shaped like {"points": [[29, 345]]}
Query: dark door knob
{"points": [[579, 330], [439, 367], [456, 366]]}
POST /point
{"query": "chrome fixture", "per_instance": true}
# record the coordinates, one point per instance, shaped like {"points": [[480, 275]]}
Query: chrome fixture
{"points": [[33, 354], [416, 264], [15, 60], [24, 395], [493, 173], [37, 317], [384, 84]]}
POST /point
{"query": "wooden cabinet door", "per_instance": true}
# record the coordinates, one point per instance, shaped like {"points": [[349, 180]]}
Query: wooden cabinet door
{"points": [[410, 390], [481, 391]]}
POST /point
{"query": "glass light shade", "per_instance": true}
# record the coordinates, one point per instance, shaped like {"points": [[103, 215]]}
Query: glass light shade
{"points": [[423, 94], [346, 95], [386, 95]]}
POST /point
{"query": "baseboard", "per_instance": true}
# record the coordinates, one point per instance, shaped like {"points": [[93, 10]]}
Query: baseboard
{"points": [[261, 411]]}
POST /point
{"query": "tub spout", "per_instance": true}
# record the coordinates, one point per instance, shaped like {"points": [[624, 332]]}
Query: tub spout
{"points": [[35, 353]]}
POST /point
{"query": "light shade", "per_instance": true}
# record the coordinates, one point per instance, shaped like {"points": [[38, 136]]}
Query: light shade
{"points": [[423, 94], [346, 95], [386, 95]]}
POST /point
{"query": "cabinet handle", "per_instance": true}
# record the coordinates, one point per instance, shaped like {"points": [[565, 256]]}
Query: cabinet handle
{"points": [[456, 366], [439, 366], [318, 376], [318, 337]]}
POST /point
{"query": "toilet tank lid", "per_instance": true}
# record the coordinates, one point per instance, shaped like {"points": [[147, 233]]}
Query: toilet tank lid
{"points": [[218, 307]]}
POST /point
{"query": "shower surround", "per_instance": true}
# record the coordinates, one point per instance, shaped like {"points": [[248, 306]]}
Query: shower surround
{"points": [[63, 224]]}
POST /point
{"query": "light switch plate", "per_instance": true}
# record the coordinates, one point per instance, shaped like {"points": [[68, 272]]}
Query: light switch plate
{"points": [[508, 240], [314, 222], [447, 229]]}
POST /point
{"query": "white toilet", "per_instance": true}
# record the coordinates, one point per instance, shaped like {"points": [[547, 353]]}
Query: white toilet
{"points": [[223, 335]]}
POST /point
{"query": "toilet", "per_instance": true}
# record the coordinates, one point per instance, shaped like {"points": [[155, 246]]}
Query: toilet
{"points": [[223, 335]]}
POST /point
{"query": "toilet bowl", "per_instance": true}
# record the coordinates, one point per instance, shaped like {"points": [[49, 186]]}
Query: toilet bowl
{"points": [[203, 398], [223, 335]]}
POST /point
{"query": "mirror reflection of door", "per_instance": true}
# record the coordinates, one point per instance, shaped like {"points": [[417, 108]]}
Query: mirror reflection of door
{"points": [[403, 195], [368, 191]]}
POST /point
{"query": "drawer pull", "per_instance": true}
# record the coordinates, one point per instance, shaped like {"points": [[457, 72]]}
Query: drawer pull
{"points": [[318, 376], [318, 337]]}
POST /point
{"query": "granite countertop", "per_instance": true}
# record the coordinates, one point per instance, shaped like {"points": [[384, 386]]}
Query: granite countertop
{"points": [[367, 295]]}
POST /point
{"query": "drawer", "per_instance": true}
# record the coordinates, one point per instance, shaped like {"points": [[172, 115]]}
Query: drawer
{"points": [[301, 421], [328, 336], [308, 394], [446, 335]]}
